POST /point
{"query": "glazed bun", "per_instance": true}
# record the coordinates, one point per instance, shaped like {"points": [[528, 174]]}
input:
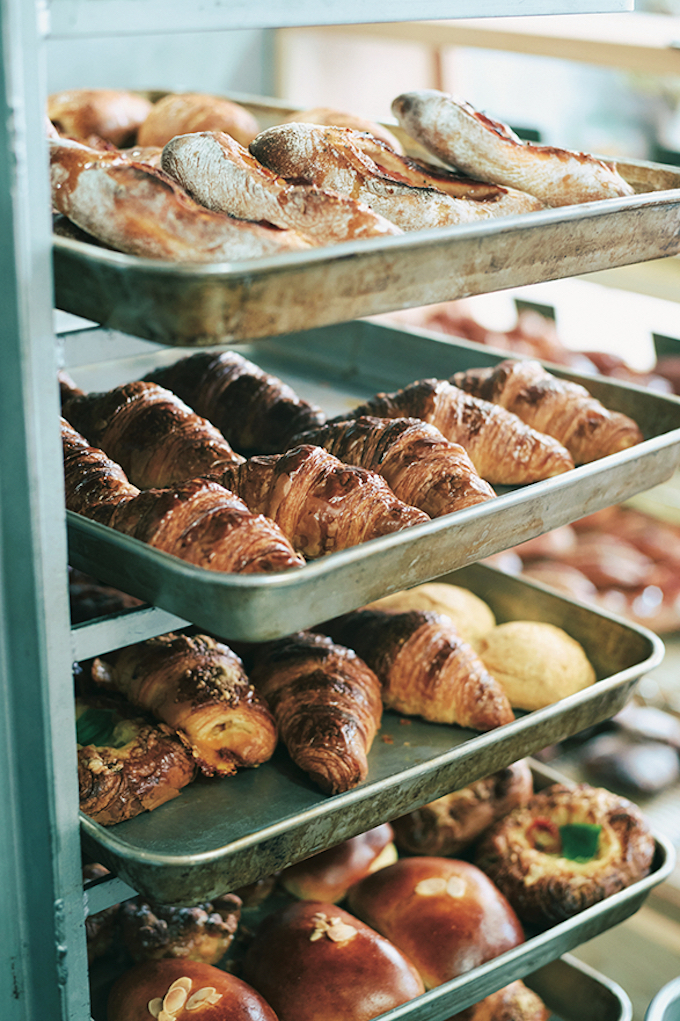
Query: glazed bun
{"points": [[328, 876], [176, 987], [515, 1002], [315, 962], [445, 915], [470, 614]]}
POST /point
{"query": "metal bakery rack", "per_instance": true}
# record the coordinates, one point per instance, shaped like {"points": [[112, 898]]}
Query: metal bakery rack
{"points": [[44, 967]]}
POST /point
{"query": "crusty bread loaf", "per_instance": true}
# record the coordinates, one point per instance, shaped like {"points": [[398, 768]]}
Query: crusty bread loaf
{"points": [[444, 914], [185, 112], [111, 114], [327, 876], [338, 118]]}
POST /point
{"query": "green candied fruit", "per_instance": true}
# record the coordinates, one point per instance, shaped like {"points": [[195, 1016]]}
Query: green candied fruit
{"points": [[95, 726], [580, 840]]}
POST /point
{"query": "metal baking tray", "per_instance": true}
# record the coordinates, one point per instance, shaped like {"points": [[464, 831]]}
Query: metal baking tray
{"points": [[336, 367], [220, 834], [189, 304]]}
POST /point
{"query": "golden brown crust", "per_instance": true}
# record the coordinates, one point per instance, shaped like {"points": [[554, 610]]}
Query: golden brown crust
{"points": [[327, 876], [198, 687], [326, 703], [315, 962], [182, 113], [515, 1002], [419, 465], [425, 668], [471, 616], [203, 932], [340, 119], [545, 887], [444, 914], [450, 824], [112, 114], [554, 406]]}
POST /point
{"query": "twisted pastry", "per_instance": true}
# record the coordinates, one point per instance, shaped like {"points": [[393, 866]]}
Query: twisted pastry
{"points": [[155, 438], [198, 687], [320, 504], [503, 449], [425, 667], [256, 412], [198, 521], [327, 706], [554, 406], [420, 466]]}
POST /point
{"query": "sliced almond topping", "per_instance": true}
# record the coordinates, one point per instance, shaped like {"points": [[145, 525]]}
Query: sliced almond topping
{"points": [[316, 934], [200, 997], [340, 932], [456, 887], [174, 999], [164, 1016], [431, 887], [155, 1006], [181, 983], [214, 997]]}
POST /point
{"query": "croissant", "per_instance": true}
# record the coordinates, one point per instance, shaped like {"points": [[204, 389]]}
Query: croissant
{"points": [[255, 411], [425, 667], [155, 438], [198, 521], [320, 504], [554, 406], [420, 466], [198, 687], [327, 706], [503, 449]]}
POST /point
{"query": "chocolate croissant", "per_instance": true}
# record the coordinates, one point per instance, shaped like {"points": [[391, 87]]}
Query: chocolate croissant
{"points": [[420, 465], [327, 706], [425, 667], [198, 521], [198, 687], [503, 449], [255, 411], [554, 406], [320, 504], [153, 435]]}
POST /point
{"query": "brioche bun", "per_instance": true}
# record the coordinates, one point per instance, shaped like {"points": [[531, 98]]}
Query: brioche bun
{"points": [[327, 876]]}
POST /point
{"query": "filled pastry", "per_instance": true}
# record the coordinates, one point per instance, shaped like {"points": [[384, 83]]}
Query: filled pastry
{"points": [[203, 932]]}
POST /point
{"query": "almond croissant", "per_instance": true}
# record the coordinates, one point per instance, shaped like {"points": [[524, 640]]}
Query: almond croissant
{"points": [[504, 450], [425, 667], [320, 504], [198, 687], [255, 411], [420, 466], [155, 438], [326, 703], [555, 406], [198, 521]]}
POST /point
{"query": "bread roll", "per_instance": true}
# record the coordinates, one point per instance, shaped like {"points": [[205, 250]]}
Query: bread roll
{"points": [[315, 962], [183, 113], [470, 614], [112, 114], [515, 1002], [444, 914], [535, 662], [169, 989], [328, 876]]}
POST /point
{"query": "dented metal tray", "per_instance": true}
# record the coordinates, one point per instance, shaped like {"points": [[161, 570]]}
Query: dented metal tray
{"points": [[336, 367], [190, 304]]}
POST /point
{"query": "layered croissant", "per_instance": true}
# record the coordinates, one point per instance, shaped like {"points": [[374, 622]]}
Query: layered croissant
{"points": [[198, 687], [420, 465], [554, 406], [198, 521], [425, 667], [503, 449], [327, 706], [256, 412]]}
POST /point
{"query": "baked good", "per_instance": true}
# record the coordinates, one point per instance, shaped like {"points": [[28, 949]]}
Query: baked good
{"points": [[89, 598], [180, 113], [567, 849], [112, 114], [321, 504], [198, 687], [315, 962], [475, 144], [223, 175], [424, 666], [444, 914], [136, 208], [101, 928], [536, 663], [449, 825], [327, 876], [203, 932], [419, 465], [257, 412], [326, 703], [515, 1002], [503, 449], [471, 616], [341, 119], [183, 990], [558, 407], [153, 435], [198, 521], [125, 765]]}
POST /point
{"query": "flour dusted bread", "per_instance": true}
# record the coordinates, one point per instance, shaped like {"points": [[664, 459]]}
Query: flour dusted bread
{"points": [[536, 663], [341, 119], [471, 616]]}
